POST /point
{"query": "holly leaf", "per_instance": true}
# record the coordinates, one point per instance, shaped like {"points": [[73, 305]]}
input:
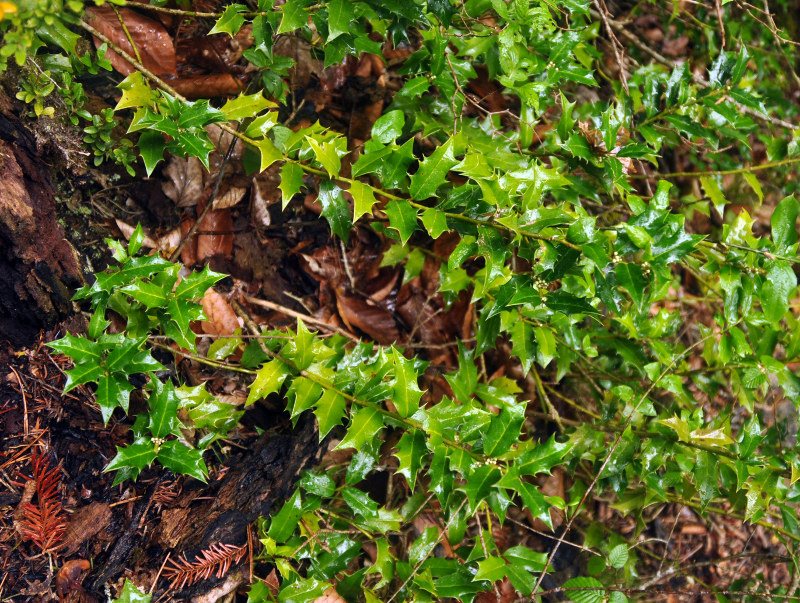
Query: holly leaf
{"points": [[776, 291], [363, 199], [245, 105], [163, 405], [329, 411], [402, 218], [137, 456], [479, 484], [80, 349], [366, 424], [432, 172], [543, 457], [285, 521], [435, 222], [269, 153], [151, 149], [291, 181], [411, 453], [230, 22], [335, 210], [131, 594], [305, 393], [196, 284], [179, 458], [340, 13], [112, 390], [82, 373], [523, 342], [406, 391], [630, 277], [123, 354], [269, 379], [388, 127], [135, 92], [327, 156], [504, 430], [784, 223]]}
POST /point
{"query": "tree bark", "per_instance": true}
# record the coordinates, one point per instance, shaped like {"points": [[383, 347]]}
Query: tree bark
{"points": [[38, 266]]}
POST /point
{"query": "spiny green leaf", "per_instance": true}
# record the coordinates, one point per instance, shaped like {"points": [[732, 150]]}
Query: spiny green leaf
{"points": [[363, 199], [407, 393], [181, 459], [432, 172], [269, 379], [230, 22], [411, 453], [366, 424], [329, 411], [291, 181], [403, 218], [137, 456], [334, 209]]}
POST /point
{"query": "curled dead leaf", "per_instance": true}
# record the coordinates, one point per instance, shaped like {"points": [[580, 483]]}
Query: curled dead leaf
{"points": [[330, 596], [230, 197], [70, 577], [215, 235], [221, 319], [186, 181], [373, 320], [153, 43], [127, 231]]}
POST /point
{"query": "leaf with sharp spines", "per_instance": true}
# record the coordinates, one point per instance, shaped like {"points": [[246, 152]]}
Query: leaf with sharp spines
{"points": [[269, 379], [524, 348], [230, 22], [334, 209], [407, 393], [402, 218], [195, 284], [340, 13], [411, 453], [80, 349], [137, 456], [163, 405], [363, 199], [432, 172], [179, 458], [366, 424], [329, 411], [291, 182], [112, 390], [504, 430]]}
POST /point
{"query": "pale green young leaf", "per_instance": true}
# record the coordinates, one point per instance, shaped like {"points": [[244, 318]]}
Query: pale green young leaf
{"points": [[131, 594], [435, 222], [618, 556], [327, 156], [136, 92], [246, 105], [269, 153], [545, 345], [363, 199], [269, 379]]}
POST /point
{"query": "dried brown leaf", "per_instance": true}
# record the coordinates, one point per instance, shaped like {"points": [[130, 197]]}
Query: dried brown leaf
{"points": [[373, 320], [330, 596], [70, 576], [186, 181], [222, 320], [215, 235], [153, 43]]}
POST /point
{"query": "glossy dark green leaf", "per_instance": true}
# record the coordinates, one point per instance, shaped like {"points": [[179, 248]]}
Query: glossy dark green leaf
{"points": [[403, 218], [432, 172], [784, 222], [335, 209], [137, 456], [181, 459]]}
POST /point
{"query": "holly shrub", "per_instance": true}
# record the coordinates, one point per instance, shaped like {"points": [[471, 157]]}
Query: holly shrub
{"points": [[654, 349]]}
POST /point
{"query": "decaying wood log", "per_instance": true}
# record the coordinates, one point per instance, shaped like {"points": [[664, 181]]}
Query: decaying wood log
{"points": [[257, 484], [38, 266]]}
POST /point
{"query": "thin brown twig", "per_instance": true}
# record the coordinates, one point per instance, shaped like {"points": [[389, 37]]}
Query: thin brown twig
{"points": [[305, 317]]}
